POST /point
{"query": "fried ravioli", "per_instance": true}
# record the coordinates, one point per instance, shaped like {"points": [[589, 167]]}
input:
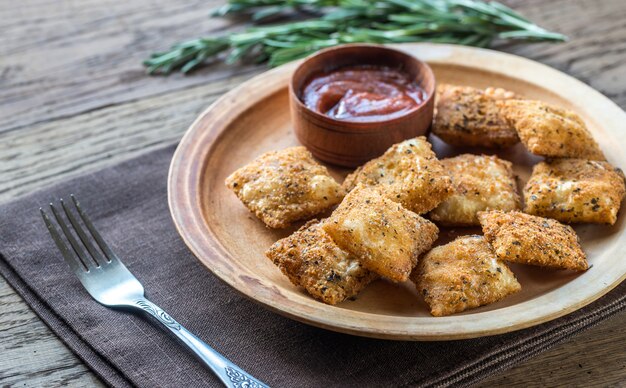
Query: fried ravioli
{"points": [[482, 183], [408, 173], [575, 190], [522, 238], [310, 259], [281, 187], [385, 236], [461, 275], [551, 131], [466, 116]]}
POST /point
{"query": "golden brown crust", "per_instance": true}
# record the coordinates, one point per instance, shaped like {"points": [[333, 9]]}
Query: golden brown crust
{"points": [[310, 259], [281, 187], [467, 116], [522, 238], [408, 173], [482, 183], [575, 190], [548, 130], [461, 275], [385, 236]]}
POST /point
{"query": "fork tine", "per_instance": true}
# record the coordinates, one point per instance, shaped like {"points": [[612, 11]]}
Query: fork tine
{"points": [[89, 264], [75, 264], [95, 254], [94, 232]]}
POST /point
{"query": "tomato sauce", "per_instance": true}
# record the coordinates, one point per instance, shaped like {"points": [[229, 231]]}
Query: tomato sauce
{"points": [[363, 93]]}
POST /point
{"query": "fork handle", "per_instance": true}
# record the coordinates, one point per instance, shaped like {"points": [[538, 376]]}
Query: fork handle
{"points": [[230, 374]]}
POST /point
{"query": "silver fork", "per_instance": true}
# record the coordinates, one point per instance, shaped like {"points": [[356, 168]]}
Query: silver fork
{"points": [[109, 282]]}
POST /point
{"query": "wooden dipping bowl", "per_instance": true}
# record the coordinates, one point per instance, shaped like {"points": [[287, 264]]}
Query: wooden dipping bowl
{"points": [[352, 143]]}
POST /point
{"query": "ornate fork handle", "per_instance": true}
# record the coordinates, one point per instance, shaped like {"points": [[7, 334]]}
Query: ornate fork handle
{"points": [[230, 374]]}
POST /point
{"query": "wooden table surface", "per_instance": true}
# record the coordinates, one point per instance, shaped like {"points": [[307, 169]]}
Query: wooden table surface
{"points": [[74, 97]]}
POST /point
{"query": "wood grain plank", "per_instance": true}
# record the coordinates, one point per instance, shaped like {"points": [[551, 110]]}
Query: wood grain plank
{"points": [[43, 153], [597, 47], [32, 356], [594, 358], [61, 58]]}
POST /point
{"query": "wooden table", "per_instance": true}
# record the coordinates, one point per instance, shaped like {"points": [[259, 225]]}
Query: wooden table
{"points": [[74, 98]]}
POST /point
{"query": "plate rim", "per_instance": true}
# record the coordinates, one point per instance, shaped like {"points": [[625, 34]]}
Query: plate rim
{"points": [[185, 210]]}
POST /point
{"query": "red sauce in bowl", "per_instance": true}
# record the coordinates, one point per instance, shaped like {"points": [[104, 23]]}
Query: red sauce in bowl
{"points": [[363, 93]]}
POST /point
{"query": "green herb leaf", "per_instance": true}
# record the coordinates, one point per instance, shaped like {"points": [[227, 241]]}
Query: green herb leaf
{"points": [[331, 22]]}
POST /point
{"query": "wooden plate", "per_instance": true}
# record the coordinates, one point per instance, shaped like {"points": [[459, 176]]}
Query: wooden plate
{"points": [[254, 118]]}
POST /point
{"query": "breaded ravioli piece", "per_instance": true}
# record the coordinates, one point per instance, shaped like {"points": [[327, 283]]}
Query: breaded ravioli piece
{"points": [[575, 190], [467, 116], [461, 275], [281, 187], [310, 259], [385, 236], [522, 238], [408, 173], [551, 131], [482, 183]]}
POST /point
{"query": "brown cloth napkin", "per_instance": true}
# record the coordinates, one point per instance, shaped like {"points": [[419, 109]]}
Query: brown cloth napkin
{"points": [[128, 204]]}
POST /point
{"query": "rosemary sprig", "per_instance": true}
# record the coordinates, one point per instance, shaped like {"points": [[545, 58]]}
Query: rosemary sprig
{"points": [[466, 22]]}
